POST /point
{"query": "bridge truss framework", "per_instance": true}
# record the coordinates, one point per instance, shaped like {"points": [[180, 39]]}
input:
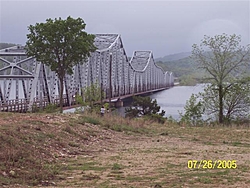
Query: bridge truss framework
{"points": [[23, 78]]}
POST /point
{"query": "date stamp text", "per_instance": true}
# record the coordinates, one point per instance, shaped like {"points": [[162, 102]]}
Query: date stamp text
{"points": [[210, 164]]}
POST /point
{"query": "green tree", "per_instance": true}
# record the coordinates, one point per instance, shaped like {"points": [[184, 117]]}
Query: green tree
{"points": [[193, 111], [60, 44], [225, 61], [145, 106], [236, 101], [92, 94]]}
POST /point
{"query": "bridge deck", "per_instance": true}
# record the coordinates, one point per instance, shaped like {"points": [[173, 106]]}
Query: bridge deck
{"points": [[135, 94]]}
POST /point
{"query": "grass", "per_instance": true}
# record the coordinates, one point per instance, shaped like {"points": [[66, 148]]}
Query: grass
{"points": [[92, 166], [117, 166], [85, 166], [90, 119], [87, 150], [117, 123]]}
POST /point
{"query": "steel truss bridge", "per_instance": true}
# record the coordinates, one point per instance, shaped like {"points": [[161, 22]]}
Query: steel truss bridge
{"points": [[25, 82]]}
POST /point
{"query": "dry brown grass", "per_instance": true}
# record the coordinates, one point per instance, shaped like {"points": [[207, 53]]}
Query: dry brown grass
{"points": [[73, 150]]}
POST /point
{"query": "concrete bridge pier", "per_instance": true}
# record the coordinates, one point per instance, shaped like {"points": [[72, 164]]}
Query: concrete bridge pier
{"points": [[119, 103]]}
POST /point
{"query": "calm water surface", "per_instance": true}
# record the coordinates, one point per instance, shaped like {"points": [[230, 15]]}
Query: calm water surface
{"points": [[173, 100]]}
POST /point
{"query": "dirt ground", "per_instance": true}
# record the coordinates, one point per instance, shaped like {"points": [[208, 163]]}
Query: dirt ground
{"points": [[157, 158], [159, 161]]}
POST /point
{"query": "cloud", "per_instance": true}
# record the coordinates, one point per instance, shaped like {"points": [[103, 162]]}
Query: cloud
{"points": [[165, 27], [217, 27]]}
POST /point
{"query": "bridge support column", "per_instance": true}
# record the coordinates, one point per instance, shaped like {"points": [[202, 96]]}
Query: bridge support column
{"points": [[119, 103]]}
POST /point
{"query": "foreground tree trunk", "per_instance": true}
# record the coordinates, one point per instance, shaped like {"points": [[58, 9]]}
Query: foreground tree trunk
{"points": [[220, 104], [61, 94]]}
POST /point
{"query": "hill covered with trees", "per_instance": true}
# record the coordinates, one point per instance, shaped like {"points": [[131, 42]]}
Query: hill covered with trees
{"points": [[183, 67]]}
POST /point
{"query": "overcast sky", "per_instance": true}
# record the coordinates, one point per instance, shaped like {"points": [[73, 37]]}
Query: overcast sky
{"points": [[165, 27]]}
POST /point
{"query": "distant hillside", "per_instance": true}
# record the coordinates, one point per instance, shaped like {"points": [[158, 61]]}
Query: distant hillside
{"points": [[182, 66], [179, 67], [185, 69], [174, 57]]}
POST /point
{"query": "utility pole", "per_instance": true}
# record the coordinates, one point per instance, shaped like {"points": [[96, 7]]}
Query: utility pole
{"points": [[110, 77]]}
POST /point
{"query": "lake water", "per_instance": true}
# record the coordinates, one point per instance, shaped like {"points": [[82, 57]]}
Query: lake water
{"points": [[173, 100]]}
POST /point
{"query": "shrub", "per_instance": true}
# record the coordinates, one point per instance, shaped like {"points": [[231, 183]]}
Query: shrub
{"points": [[193, 111], [145, 106], [51, 108], [91, 120]]}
